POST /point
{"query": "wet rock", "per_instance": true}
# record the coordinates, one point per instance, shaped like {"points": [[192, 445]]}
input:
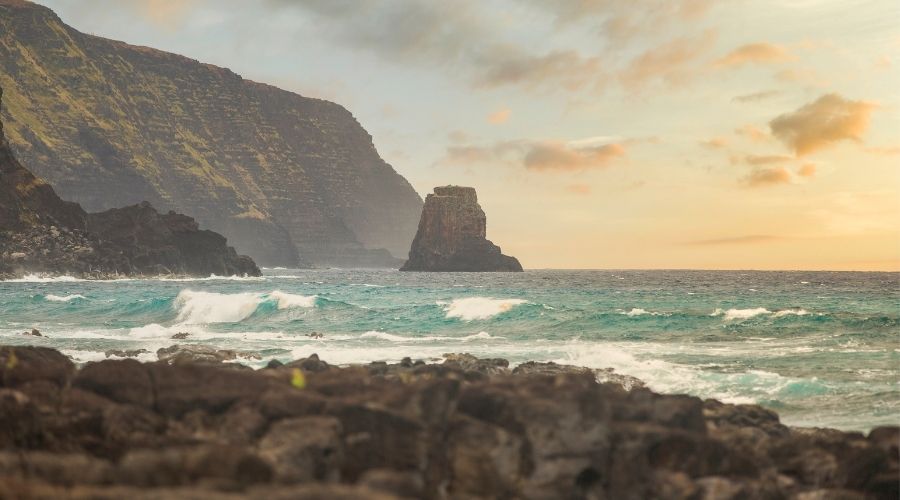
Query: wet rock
{"points": [[468, 363], [34, 333], [200, 354], [309, 364], [181, 336], [127, 353]]}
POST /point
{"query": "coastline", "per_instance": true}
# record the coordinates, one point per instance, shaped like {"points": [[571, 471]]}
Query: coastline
{"points": [[193, 427]]}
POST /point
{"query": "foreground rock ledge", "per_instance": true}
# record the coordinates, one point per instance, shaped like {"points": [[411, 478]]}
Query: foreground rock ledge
{"points": [[467, 428]]}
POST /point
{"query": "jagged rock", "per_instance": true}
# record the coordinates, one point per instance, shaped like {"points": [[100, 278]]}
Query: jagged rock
{"points": [[126, 353], [452, 236], [607, 375], [287, 179], [34, 333], [154, 430], [181, 335], [200, 354], [47, 234]]}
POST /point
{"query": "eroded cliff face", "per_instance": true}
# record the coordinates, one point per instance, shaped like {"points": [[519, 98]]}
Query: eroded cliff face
{"points": [[287, 179], [39, 232], [452, 236]]}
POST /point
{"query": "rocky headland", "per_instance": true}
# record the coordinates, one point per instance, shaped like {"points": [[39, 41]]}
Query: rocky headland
{"points": [[41, 233], [452, 236], [289, 180], [191, 426]]}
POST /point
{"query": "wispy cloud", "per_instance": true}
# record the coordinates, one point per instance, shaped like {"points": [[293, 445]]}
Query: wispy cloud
{"points": [[756, 96], [764, 177], [750, 239], [755, 53], [537, 155], [499, 116]]}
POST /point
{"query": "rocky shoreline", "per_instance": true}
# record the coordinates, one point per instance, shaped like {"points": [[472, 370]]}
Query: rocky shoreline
{"points": [[191, 426]]}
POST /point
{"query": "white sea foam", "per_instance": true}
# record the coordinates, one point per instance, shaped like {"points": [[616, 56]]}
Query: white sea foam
{"points": [[791, 312], [210, 307], [396, 338], [213, 277], [481, 336], [472, 308], [735, 314], [63, 298], [43, 278], [637, 311], [288, 300]]}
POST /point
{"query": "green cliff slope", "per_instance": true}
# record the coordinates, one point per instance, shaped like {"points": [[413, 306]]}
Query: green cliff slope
{"points": [[287, 179]]}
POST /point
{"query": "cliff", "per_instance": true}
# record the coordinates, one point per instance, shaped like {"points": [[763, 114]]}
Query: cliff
{"points": [[452, 236], [39, 232], [288, 180], [463, 429]]}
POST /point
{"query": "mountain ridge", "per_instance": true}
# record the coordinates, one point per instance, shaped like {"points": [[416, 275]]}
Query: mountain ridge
{"points": [[290, 180]]}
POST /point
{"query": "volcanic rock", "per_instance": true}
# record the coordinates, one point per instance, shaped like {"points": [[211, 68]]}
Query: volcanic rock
{"points": [[452, 236], [124, 429]]}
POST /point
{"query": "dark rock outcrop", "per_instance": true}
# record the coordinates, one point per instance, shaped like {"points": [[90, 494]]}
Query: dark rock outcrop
{"points": [[289, 180], [452, 236], [466, 428], [39, 232]]}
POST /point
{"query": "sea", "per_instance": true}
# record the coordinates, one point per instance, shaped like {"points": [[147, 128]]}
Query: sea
{"points": [[820, 348]]}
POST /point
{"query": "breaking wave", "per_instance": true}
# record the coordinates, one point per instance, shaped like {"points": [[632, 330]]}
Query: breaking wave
{"points": [[210, 307], [64, 298], [472, 308]]}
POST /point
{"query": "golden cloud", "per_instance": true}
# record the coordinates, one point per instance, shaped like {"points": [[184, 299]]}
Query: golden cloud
{"points": [[738, 240], [499, 116], [545, 156], [766, 159], [768, 177], [559, 156], [756, 96], [756, 53], [753, 133], [671, 62], [715, 143], [807, 170], [579, 189], [822, 123]]}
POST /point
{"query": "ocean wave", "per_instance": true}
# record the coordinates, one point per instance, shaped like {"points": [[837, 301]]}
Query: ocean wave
{"points": [[210, 307], [741, 314], [214, 277], [374, 334], [45, 278], [472, 308], [64, 298], [637, 311]]}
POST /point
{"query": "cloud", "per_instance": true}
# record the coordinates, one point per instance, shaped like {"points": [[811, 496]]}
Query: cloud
{"points": [[461, 37], [672, 62], [499, 116], [619, 21], [458, 136], [753, 133], [755, 53], [884, 151], [542, 156], [768, 177], [804, 76], [767, 159], [715, 143], [738, 240], [822, 123], [756, 96], [579, 189], [558, 156], [807, 170]]}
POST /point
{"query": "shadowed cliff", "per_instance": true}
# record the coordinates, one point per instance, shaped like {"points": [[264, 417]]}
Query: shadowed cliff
{"points": [[39, 232], [287, 179]]}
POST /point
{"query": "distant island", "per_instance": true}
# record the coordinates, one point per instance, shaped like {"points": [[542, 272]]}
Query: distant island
{"points": [[452, 236]]}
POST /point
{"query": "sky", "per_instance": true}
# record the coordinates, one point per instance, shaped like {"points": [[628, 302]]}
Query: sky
{"points": [[729, 134]]}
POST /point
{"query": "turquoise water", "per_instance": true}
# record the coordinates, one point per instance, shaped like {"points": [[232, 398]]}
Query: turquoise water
{"points": [[821, 348]]}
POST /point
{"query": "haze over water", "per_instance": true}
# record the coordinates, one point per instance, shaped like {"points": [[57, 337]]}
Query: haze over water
{"points": [[820, 348]]}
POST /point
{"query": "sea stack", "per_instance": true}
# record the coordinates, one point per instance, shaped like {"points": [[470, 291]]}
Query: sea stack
{"points": [[452, 236]]}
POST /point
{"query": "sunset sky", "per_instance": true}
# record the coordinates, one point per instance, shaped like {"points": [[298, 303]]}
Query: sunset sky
{"points": [[598, 133]]}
